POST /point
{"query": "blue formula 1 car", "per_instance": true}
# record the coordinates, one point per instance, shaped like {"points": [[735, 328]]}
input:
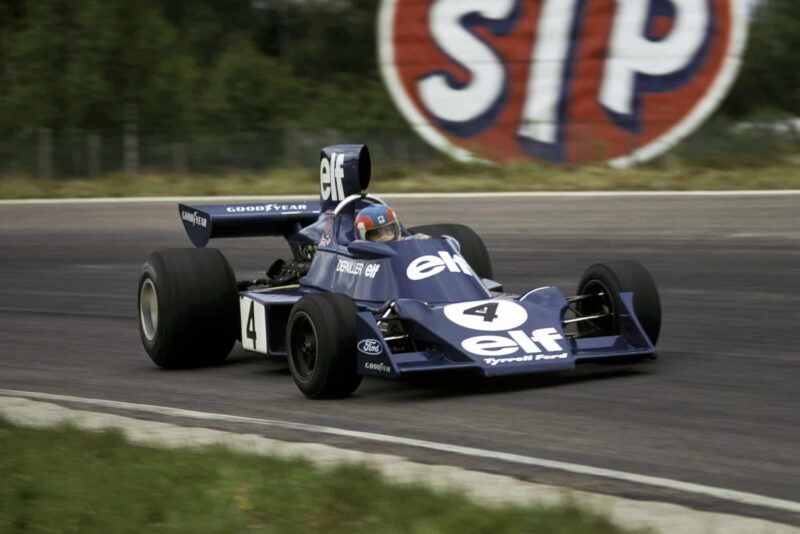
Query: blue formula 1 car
{"points": [[343, 307]]}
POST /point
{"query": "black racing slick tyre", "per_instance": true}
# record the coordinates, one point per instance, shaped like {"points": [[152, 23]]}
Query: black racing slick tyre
{"points": [[321, 341], [188, 307], [603, 282], [472, 247]]}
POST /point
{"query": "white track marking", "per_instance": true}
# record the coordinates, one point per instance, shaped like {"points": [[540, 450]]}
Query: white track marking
{"points": [[751, 499], [484, 489], [504, 194]]}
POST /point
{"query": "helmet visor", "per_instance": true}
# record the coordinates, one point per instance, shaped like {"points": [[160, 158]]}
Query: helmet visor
{"points": [[387, 232]]}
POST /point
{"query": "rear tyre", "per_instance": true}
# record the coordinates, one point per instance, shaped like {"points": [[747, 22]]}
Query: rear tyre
{"points": [[321, 341], [188, 307], [605, 281], [472, 246]]}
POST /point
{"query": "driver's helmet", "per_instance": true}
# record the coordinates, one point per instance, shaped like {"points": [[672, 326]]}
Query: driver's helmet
{"points": [[377, 223]]}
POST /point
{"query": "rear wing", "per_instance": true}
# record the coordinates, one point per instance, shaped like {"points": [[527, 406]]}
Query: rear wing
{"points": [[203, 223]]}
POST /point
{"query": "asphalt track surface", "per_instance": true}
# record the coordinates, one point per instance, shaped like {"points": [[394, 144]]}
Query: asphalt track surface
{"points": [[721, 406]]}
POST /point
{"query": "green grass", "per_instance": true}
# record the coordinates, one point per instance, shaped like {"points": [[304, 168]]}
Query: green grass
{"points": [[436, 177], [65, 480]]}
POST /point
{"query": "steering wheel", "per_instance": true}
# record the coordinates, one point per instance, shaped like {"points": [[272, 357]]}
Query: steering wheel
{"points": [[352, 198]]}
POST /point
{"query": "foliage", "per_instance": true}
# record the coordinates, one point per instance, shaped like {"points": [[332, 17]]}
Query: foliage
{"points": [[247, 90], [171, 66], [770, 76], [63, 480], [443, 175]]}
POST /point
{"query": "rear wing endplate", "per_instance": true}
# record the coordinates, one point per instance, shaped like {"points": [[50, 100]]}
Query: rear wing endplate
{"points": [[203, 223]]}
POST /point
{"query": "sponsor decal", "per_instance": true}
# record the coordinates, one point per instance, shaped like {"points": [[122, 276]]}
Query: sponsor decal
{"points": [[331, 174], [194, 218], [379, 367], [542, 340], [561, 356], [496, 361], [526, 358], [357, 268], [370, 346], [565, 81], [266, 208], [429, 265], [325, 240]]}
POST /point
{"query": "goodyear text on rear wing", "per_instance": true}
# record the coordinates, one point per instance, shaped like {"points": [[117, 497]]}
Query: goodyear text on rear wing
{"points": [[252, 219]]}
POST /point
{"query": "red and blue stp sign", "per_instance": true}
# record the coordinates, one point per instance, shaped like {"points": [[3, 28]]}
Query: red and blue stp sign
{"points": [[563, 81]]}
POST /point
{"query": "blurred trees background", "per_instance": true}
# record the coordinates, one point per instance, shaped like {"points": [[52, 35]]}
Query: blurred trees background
{"points": [[118, 78], [178, 66], [770, 77]]}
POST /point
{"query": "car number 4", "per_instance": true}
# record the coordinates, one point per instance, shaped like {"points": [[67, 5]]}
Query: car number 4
{"points": [[487, 311], [250, 328], [253, 325], [487, 315]]}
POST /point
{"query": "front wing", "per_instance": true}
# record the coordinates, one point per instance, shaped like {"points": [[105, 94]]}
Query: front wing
{"points": [[524, 335]]}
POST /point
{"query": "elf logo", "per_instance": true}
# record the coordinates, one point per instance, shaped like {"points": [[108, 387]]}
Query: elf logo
{"points": [[559, 80], [331, 174], [542, 340], [427, 266]]}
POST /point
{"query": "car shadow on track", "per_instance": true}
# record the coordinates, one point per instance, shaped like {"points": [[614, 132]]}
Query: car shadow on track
{"points": [[452, 384], [444, 384]]}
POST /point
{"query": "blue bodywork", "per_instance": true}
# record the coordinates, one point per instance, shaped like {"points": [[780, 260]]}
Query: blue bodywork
{"points": [[420, 305]]}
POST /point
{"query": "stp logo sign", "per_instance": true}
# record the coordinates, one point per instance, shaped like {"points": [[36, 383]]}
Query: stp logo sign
{"points": [[569, 81]]}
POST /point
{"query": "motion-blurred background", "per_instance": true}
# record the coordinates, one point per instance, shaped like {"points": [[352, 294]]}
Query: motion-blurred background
{"points": [[93, 87]]}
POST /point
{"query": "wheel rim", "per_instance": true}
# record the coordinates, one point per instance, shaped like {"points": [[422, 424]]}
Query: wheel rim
{"points": [[303, 347], [148, 309], [601, 303]]}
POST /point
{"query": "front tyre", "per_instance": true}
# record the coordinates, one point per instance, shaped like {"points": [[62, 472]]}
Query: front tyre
{"points": [[321, 339], [188, 307], [602, 283]]}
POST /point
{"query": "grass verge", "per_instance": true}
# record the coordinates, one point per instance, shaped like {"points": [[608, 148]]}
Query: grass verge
{"points": [[65, 480], [440, 177]]}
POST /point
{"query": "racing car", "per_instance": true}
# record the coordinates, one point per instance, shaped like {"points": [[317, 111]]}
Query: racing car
{"points": [[341, 307]]}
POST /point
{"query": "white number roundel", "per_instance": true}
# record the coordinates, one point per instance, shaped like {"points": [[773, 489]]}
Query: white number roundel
{"points": [[487, 315]]}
